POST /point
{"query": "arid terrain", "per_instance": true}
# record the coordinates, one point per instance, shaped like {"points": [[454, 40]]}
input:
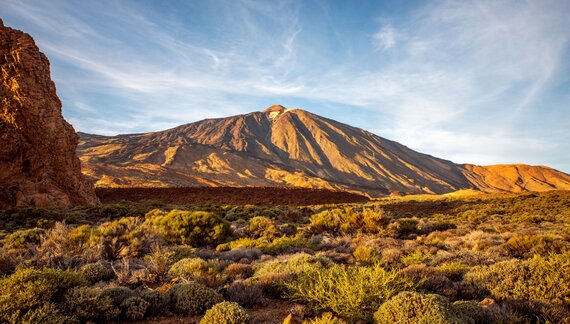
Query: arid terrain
{"points": [[276, 216], [460, 258], [268, 196]]}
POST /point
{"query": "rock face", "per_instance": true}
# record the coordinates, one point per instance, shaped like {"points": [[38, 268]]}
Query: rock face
{"points": [[290, 147], [38, 165]]}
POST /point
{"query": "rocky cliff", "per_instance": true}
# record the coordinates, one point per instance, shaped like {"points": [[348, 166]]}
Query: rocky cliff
{"points": [[38, 165]]}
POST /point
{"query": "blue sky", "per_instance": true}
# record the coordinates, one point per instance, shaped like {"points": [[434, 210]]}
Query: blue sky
{"points": [[482, 82]]}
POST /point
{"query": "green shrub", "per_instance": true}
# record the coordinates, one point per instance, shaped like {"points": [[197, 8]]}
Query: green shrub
{"points": [[117, 294], [328, 220], [205, 272], [366, 255], [415, 257], [157, 301], [273, 275], [404, 226], [352, 292], [454, 270], [470, 311], [261, 226], [292, 266], [226, 313], [524, 246], [349, 220], [20, 239], [121, 210], [412, 307], [90, 304], [134, 308], [193, 298], [197, 228], [540, 279], [271, 246], [47, 314], [29, 289], [98, 271], [443, 226]]}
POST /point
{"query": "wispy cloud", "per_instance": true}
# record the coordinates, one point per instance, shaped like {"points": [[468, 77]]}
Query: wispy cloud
{"points": [[468, 81], [385, 38]]}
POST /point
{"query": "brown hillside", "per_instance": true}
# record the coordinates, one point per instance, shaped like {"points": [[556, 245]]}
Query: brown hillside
{"points": [[273, 147], [516, 178]]}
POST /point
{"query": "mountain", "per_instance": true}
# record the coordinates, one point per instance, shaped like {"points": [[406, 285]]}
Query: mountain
{"points": [[38, 165], [290, 147]]}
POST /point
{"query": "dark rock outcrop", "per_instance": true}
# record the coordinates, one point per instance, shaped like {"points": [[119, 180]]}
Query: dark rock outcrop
{"points": [[38, 165]]}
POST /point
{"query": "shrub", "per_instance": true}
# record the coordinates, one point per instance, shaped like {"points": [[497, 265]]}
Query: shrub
{"points": [[443, 226], [272, 246], [293, 265], [430, 280], [134, 308], [352, 292], [117, 294], [404, 226], [239, 271], [524, 246], [29, 289], [47, 314], [245, 293], [157, 301], [328, 220], [541, 279], [261, 226], [349, 220], [90, 304], [158, 262], [470, 311], [415, 257], [226, 313], [193, 298], [98, 271], [20, 239], [366, 255], [453, 270], [412, 307], [206, 272], [197, 228], [122, 209]]}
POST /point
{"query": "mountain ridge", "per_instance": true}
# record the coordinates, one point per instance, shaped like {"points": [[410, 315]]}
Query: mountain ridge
{"points": [[287, 147]]}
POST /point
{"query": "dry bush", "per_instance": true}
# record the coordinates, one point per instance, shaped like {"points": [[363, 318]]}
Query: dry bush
{"points": [[246, 293], [239, 271], [158, 263], [241, 255], [431, 280]]}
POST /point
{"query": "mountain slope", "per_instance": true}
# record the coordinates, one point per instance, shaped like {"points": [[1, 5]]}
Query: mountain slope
{"points": [[274, 147]]}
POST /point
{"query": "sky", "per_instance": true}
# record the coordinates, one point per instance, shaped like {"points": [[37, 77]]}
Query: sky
{"points": [[482, 82]]}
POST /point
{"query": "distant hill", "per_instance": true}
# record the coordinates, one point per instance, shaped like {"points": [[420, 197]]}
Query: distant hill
{"points": [[291, 147]]}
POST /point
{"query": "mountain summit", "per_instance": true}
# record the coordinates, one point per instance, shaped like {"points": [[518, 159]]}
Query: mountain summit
{"points": [[290, 147]]}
